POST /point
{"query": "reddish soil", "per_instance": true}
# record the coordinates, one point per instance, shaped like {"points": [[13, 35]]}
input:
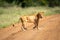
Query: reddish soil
{"points": [[49, 29]]}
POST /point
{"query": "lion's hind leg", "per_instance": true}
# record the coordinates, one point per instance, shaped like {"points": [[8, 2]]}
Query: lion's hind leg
{"points": [[23, 25]]}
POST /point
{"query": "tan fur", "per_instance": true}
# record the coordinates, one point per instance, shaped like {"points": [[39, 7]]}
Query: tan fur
{"points": [[32, 19]]}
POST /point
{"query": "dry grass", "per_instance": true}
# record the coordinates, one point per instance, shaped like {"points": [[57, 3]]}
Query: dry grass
{"points": [[11, 15]]}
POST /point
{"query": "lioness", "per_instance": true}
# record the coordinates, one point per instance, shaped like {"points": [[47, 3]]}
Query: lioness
{"points": [[33, 19]]}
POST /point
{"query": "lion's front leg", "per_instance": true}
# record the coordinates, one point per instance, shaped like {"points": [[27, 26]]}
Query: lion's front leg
{"points": [[36, 26], [36, 23]]}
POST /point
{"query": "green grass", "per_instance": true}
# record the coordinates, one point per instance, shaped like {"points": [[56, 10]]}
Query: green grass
{"points": [[11, 15]]}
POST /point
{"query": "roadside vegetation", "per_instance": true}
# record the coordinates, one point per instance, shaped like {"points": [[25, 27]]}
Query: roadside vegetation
{"points": [[11, 15]]}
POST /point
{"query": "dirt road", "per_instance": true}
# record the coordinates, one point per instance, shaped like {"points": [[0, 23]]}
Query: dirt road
{"points": [[49, 29]]}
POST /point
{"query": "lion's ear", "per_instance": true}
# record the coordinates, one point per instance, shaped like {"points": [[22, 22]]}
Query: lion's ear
{"points": [[41, 12]]}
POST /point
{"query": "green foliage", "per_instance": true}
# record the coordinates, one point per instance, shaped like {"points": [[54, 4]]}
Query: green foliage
{"points": [[30, 2], [11, 15]]}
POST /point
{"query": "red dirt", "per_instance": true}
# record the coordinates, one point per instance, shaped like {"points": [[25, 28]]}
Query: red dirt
{"points": [[49, 29]]}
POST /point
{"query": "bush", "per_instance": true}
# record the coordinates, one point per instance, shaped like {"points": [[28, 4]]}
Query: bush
{"points": [[27, 3]]}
